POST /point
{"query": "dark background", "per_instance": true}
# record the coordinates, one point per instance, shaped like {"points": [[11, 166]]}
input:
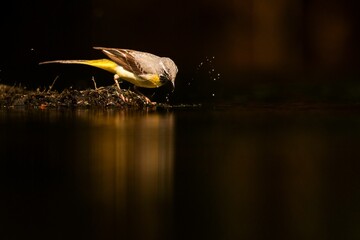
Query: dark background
{"points": [[264, 50], [238, 173]]}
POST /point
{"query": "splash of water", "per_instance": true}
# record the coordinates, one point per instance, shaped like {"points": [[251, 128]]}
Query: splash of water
{"points": [[207, 72]]}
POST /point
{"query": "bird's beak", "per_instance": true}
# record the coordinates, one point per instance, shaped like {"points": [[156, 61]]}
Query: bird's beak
{"points": [[173, 85]]}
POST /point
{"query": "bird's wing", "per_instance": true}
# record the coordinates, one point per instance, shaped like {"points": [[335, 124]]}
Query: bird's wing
{"points": [[139, 63]]}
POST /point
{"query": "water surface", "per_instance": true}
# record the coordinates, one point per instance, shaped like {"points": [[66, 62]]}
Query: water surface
{"points": [[223, 173]]}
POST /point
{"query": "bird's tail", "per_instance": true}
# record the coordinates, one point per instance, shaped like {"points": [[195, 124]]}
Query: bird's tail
{"points": [[104, 64]]}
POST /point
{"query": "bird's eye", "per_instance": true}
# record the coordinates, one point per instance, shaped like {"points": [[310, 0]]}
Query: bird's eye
{"points": [[163, 78]]}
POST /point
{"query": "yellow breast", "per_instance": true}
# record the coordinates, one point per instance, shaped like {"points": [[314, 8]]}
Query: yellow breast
{"points": [[145, 81]]}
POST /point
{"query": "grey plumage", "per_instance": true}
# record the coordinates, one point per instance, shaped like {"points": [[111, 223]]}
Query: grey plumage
{"points": [[139, 68], [142, 63]]}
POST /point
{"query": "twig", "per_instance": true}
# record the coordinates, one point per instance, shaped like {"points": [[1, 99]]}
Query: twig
{"points": [[93, 79], [53, 83]]}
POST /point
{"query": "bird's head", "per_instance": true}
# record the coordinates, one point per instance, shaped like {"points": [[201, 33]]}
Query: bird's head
{"points": [[169, 71]]}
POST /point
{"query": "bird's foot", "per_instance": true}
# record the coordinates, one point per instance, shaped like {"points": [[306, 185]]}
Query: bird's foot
{"points": [[116, 79], [147, 101]]}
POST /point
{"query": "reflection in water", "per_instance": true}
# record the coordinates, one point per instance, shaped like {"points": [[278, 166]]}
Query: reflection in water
{"points": [[131, 166], [86, 174], [199, 174]]}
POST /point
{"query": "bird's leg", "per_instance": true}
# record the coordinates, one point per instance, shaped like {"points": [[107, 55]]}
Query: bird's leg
{"points": [[116, 79], [147, 100]]}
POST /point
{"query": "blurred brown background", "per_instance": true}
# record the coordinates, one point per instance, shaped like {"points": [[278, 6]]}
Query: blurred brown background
{"points": [[252, 40]]}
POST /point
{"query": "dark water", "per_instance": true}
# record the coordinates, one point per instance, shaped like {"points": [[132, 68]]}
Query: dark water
{"points": [[243, 173]]}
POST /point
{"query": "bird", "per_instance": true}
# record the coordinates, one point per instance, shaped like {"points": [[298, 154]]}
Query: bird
{"points": [[141, 69]]}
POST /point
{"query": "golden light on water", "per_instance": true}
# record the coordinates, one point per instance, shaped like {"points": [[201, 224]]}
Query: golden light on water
{"points": [[109, 174], [131, 165]]}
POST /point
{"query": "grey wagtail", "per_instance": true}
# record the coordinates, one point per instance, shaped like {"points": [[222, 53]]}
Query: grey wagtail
{"points": [[139, 68]]}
